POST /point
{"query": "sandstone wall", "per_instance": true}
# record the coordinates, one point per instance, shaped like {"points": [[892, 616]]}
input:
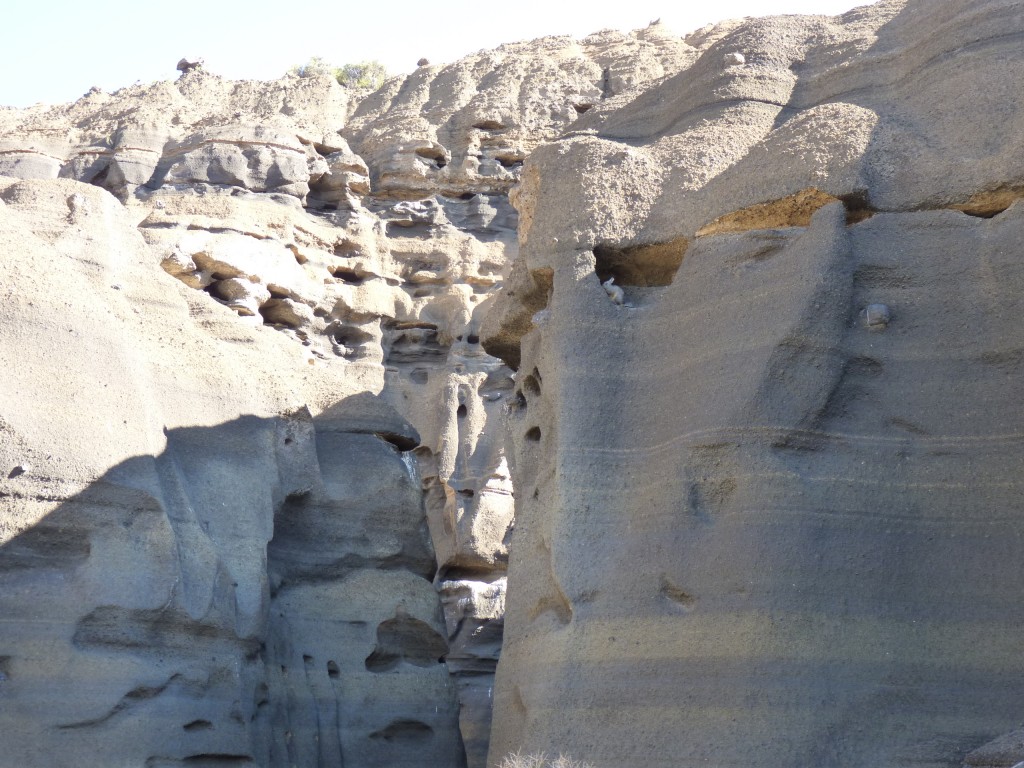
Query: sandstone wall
{"points": [[293, 372], [768, 507], [256, 502]]}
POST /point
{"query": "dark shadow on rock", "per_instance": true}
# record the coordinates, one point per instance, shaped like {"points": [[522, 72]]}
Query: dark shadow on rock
{"points": [[205, 585]]}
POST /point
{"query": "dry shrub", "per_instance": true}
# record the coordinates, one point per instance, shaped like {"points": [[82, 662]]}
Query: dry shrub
{"points": [[518, 760]]}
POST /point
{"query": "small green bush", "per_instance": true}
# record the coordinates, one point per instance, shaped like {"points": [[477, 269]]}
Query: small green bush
{"points": [[517, 760], [314, 68], [365, 74]]}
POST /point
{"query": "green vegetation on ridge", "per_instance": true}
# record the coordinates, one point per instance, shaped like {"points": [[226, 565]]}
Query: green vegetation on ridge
{"points": [[364, 74]]}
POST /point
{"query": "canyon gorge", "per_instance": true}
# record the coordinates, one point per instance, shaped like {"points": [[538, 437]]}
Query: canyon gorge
{"points": [[652, 400]]}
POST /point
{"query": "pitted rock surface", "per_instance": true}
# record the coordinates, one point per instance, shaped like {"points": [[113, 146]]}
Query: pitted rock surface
{"points": [[714, 338]]}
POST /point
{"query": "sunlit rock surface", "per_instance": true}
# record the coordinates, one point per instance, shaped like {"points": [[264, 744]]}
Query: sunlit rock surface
{"points": [[714, 338], [256, 502], [768, 507]]}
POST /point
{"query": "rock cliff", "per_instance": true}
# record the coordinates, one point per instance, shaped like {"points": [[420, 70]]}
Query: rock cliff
{"points": [[767, 506], [256, 501], [711, 344]]}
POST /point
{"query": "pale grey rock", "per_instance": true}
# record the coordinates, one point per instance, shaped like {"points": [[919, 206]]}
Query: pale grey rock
{"points": [[269, 530], [344, 180], [203, 555], [466, 127], [876, 317], [474, 612], [28, 160], [1006, 750], [410, 213], [251, 158], [734, 504]]}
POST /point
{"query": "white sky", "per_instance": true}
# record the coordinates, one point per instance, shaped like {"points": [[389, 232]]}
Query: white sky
{"points": [[55, 51]]}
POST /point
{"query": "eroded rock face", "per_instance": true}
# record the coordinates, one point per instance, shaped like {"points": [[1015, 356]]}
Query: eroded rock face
{"points": [[767, 510], [467, 127], [259, 512], [735, 312]]}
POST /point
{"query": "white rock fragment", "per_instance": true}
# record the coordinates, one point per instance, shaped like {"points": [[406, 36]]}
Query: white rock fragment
{"points": [[735, 58], [617, 295], [875, 317]]}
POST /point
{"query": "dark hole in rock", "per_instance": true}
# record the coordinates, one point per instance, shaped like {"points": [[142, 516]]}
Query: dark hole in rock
{"points": [[400, 441], [466, 572], [100, 179], [497, 382], [640, 265], [520, 401], [348, 340], [533, 434], [469, 493], [488, 125], [531, 385], [288, 441], [332, 669], [197, 725], [467, 195], [405, 639], [858, 208], [581, 108], [349, 276], [207, 760], [415, 342], [461, 412], [404, 730], [346, 249], [279, 312], [419, 376], [473, 339], [509, 161], [436, 154], [674, 594], [992, 202]]}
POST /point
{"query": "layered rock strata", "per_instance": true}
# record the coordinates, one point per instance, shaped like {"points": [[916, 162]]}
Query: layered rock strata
{"points": [[768, 506], [256, 499]]}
